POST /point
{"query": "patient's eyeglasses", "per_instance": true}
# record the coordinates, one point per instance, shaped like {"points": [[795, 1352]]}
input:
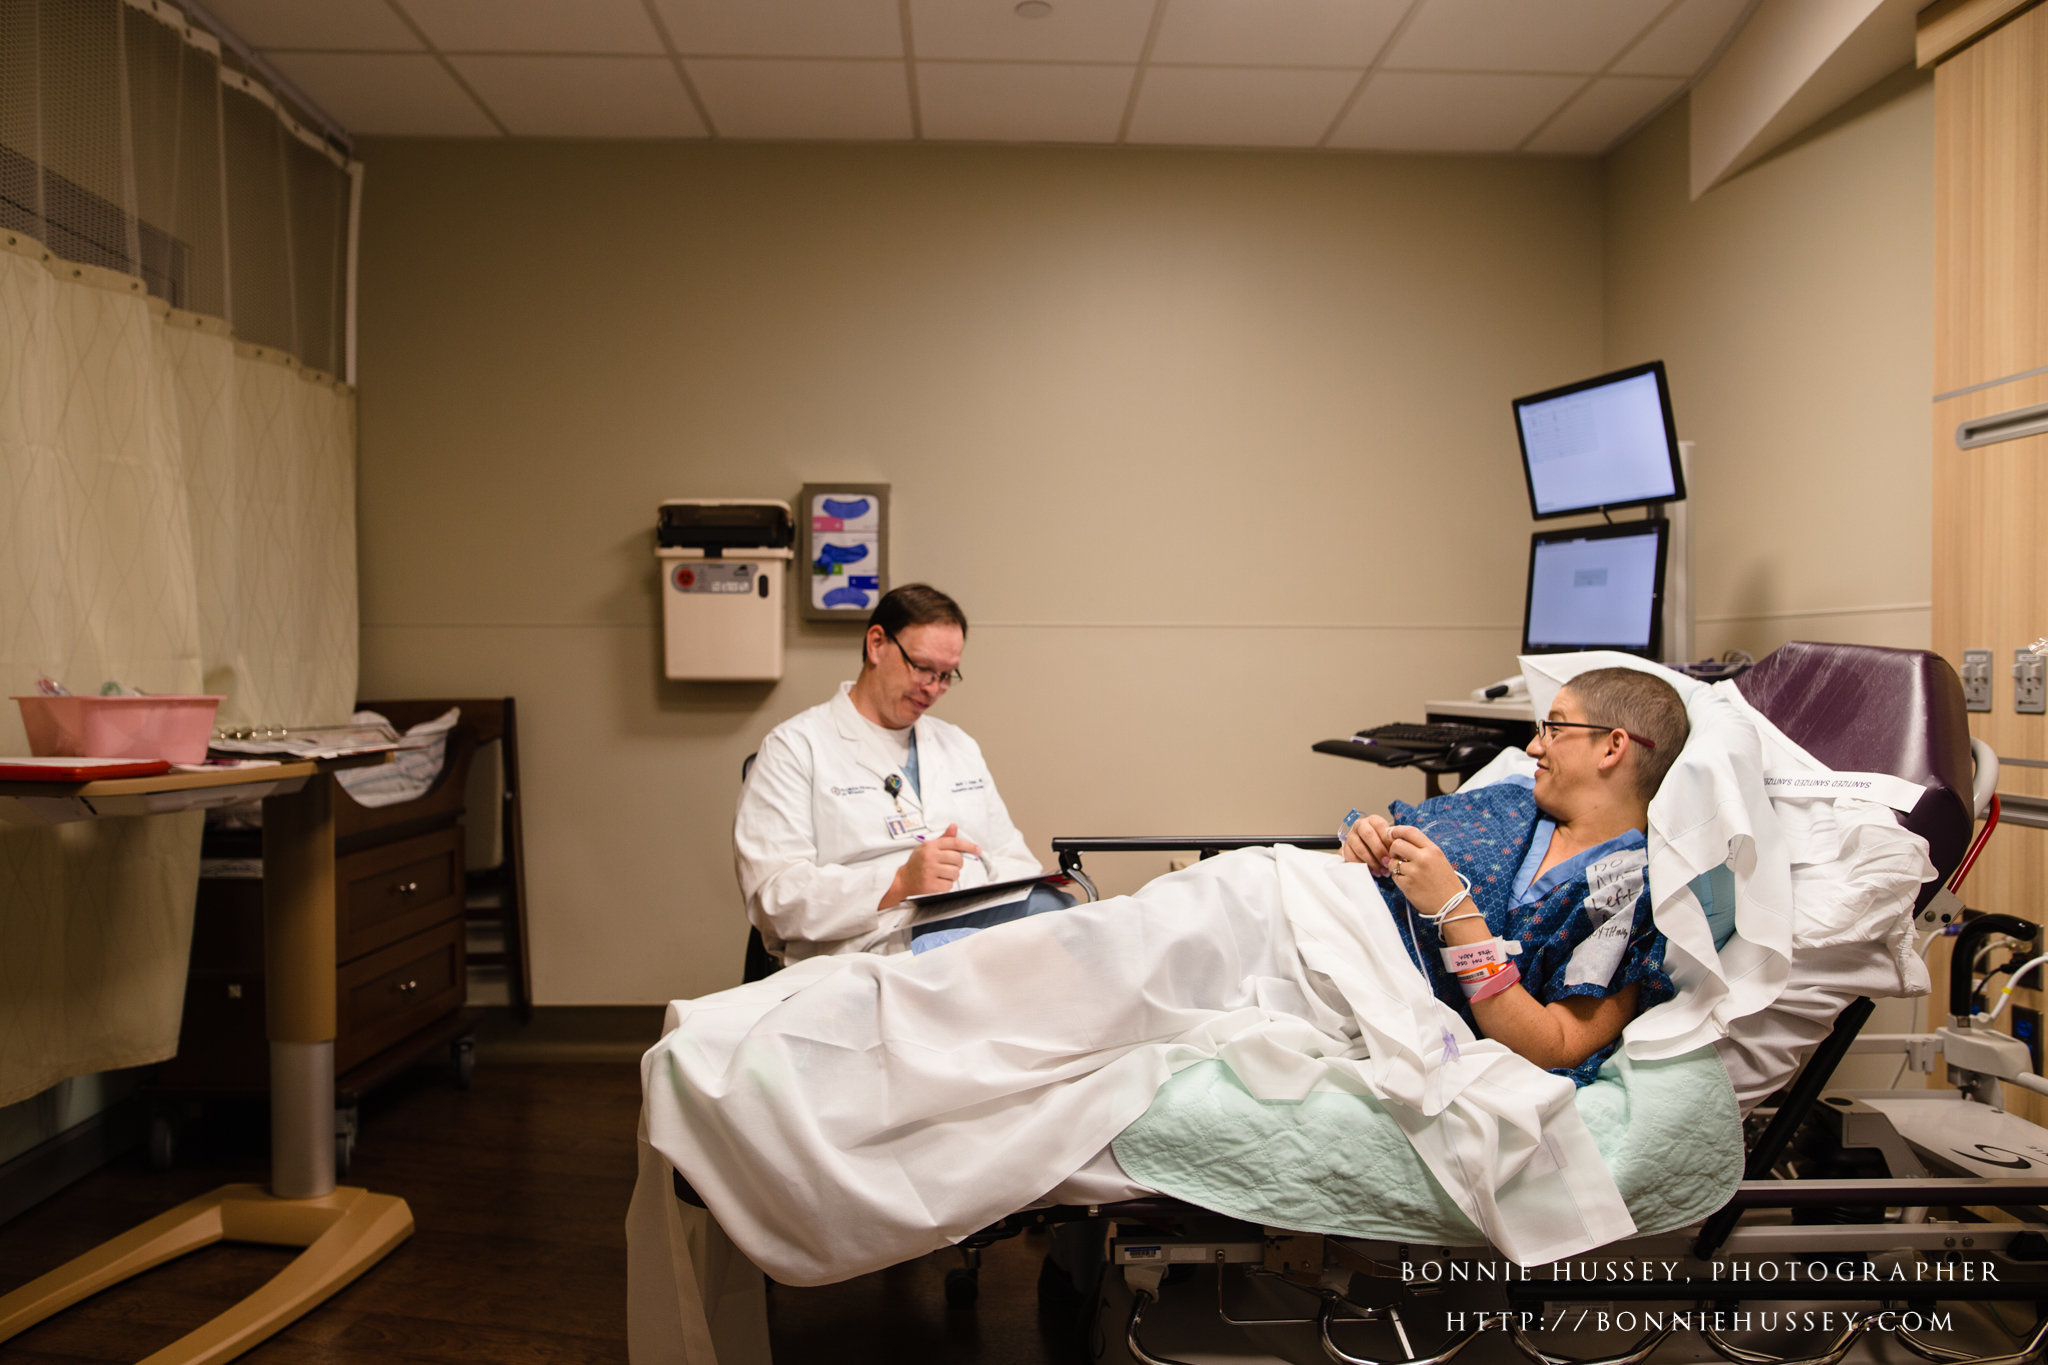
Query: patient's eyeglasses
{"points": [[931, 677], [1546, 730]]}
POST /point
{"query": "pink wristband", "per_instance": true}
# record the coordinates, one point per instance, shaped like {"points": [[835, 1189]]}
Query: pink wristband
{"points": [[1493, 985]]}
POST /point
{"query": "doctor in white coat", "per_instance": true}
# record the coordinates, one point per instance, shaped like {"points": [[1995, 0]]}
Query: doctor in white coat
{"points": [[861, 802]]}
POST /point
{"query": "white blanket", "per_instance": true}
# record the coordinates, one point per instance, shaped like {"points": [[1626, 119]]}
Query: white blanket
{"points": [[853, 1112]]}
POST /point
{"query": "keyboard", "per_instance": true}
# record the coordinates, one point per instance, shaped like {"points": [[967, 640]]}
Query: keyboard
{"points": [[1439, 736]]}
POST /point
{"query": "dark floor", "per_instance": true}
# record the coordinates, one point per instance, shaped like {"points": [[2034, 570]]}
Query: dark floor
{"points": [[519, 1188]]}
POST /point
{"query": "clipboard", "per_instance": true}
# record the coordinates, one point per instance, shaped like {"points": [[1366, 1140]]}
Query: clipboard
{"points": [[940, 901]]}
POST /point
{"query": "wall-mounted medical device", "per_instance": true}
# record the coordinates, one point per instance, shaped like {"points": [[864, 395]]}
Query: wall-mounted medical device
{"points": [[724, 570], [844, 530]]}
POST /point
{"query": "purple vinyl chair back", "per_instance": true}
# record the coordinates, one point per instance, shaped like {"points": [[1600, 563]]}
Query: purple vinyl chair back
{"points": [[1860, 708]]}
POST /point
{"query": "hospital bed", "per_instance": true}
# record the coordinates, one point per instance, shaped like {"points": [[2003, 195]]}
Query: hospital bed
{"points": [[1885, 1160], [1854, 709]]}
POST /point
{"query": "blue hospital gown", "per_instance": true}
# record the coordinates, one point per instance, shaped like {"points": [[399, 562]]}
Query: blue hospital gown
{"points": [[1497, 837]]}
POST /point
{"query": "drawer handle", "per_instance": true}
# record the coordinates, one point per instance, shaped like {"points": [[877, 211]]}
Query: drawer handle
{"points": [[405, 888], [402, 987]]}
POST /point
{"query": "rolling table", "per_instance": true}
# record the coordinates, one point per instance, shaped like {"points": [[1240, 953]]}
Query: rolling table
{"points": [[345, 1230]]}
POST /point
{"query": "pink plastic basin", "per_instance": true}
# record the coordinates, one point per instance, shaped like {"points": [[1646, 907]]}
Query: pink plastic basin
{"points": [[170, 727]]}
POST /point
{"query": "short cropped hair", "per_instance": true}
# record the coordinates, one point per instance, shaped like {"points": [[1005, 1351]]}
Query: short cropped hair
{"points": [[1644, 704], [913, 604]]}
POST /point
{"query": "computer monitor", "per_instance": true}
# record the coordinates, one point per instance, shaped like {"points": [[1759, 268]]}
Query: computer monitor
{"points": [[1596, 587], [1600, 444]]}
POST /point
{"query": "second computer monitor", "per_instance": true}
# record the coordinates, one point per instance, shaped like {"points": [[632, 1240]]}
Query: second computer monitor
{"points": [[1596, 587]]}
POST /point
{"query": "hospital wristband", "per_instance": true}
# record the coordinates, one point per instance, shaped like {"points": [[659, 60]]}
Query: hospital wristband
{"points": [[1499, 981], [1483, 969]]}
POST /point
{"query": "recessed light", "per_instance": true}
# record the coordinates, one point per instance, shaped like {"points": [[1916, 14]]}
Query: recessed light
{"points": [[1033, 9]]}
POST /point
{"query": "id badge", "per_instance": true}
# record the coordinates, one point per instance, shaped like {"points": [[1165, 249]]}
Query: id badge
{"points": [[906, 827]]}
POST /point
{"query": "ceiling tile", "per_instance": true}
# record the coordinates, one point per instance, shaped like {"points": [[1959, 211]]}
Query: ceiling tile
{"points": [[1593, 122], [362, 25], [804, 99], [1022, 102], [1424, 112], [583, 96], [535, 25], [1681, 44], [1075, 30], [1487, 35], [784, 28], [399, 94], [1238, 106], [1290, 33]]}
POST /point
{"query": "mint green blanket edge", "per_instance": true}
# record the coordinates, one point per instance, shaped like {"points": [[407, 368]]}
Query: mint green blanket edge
{"points": [[1337, 1163]]}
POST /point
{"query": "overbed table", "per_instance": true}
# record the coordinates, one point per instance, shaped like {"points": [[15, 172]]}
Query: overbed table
{"points": [[343, 1230]]}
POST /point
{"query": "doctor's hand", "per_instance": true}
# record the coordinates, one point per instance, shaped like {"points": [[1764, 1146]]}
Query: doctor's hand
{"points": [[934, 865]]}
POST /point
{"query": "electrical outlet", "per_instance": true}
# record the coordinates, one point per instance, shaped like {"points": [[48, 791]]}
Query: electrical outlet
{"points": [[2029, 682], [1976, 680], [2026, 1026]]}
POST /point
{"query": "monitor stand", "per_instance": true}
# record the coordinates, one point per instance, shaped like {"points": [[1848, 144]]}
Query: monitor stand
{"points": [[1678, 602]]}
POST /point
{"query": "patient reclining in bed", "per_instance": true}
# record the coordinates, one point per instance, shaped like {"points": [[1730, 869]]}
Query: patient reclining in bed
{"points": [[853, 1112], [1558, 867]]}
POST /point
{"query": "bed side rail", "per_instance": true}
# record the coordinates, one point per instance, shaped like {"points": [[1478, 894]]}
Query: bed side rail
{"points": [[1070, 847]]}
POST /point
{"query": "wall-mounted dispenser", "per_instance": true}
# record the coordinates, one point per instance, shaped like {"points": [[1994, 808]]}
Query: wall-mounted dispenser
{"points": [[724, 569]]}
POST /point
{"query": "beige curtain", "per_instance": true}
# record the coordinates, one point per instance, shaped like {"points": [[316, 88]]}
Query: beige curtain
{"points": [[177, 504]]}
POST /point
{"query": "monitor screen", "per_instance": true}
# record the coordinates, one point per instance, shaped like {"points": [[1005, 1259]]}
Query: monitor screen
{"points": [[1601, 443], [1596, 587]]}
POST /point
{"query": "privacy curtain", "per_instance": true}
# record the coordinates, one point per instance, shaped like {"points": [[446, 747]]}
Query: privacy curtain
{"points": [[176, 472]]}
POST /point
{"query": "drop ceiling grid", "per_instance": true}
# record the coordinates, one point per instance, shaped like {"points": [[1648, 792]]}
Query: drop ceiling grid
{"points": [[1566, 77]]}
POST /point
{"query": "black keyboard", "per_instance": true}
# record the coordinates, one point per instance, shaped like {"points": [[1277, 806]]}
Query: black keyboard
{"points": [[1440, 736]]}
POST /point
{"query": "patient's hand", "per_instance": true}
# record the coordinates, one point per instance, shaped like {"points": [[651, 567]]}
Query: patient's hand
{"points": [[1366, 842], [1419, 868], [934, 865]]}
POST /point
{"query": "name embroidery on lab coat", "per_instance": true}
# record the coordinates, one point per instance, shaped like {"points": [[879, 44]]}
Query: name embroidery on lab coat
{"points": [[854, 791], [970, 784]]}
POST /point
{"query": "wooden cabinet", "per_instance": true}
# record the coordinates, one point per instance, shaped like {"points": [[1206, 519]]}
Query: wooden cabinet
{"points": [[400, 975], [1990, 500], [1991, 207]]}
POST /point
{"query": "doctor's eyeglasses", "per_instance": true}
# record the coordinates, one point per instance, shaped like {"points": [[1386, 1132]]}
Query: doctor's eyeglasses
{"points": [[929, 676], [1546, 730]]}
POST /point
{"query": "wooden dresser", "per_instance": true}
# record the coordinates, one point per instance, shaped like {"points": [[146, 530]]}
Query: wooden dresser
{"points": [[401, 970]]}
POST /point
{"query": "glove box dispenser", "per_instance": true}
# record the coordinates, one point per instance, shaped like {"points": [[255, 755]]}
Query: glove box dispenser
{"points": [[724, 569]]}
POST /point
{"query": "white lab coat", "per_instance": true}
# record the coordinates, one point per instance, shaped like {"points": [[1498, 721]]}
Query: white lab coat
{"points": [[812, 844]]}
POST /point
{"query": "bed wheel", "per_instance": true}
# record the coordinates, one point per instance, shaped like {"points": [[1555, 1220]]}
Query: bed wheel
{"points": [[963, 1287], [462, 1057]]}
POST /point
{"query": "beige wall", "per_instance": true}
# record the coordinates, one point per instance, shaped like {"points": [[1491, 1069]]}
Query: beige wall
{"points": [[1794, 307], [1213, 447]]}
